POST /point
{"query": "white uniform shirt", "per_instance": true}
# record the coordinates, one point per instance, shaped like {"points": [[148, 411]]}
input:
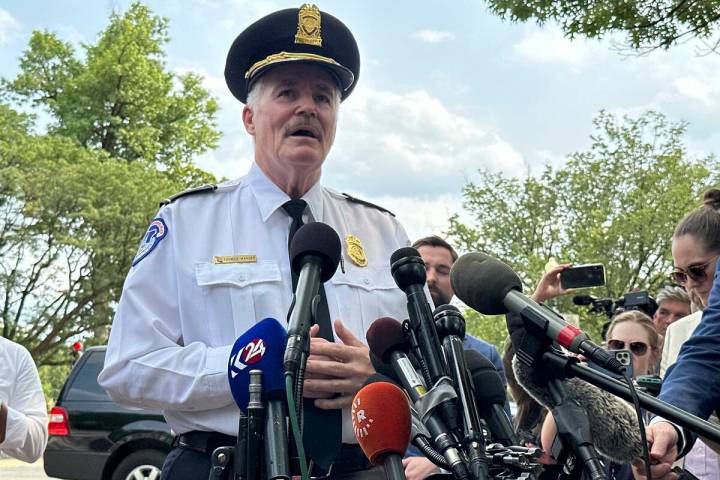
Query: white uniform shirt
{"points": [[26, 432], [180, 313]]}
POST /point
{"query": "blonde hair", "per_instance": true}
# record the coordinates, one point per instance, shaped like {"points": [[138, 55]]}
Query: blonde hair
{"points": [[642, 319]]}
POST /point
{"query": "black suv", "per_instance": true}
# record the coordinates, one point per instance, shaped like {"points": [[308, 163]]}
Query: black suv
{"points": [[94, 438]]}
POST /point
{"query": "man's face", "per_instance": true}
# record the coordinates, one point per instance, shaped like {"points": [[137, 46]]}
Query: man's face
{"points": [[669, 311], [294, 118], [438, 262]]}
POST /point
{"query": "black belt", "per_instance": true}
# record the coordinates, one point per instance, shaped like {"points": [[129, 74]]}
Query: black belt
{"points": [[350, 459]]}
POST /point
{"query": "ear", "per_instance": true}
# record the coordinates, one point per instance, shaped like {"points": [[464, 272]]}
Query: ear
{"points": [[248, 120]]}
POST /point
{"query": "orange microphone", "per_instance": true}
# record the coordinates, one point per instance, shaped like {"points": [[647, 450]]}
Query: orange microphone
{"points": [[381, 421]]}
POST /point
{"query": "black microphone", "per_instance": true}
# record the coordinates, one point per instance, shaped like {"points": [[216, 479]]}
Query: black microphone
{"points": [[493, 288], [613, 422], [408, 270], [315, 254], [490, 396], [450, 326], [583, 300], [386, 340]]}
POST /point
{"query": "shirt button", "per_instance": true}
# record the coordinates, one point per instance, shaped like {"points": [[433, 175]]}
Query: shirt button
{"points": [[366, 281], [241, 277]]}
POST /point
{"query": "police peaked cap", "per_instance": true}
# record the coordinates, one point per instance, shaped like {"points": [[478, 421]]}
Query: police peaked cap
{"points": [[302, 34]]}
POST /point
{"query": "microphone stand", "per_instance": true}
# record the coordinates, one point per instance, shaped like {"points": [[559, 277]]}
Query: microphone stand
{"points": [[570, 368], [572, 421]]}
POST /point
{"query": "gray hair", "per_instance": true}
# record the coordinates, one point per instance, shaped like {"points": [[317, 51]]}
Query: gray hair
{"points": [[257, 86], [672, 292]]}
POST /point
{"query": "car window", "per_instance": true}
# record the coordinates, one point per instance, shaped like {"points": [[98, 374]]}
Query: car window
{"points": [[85, 386]]}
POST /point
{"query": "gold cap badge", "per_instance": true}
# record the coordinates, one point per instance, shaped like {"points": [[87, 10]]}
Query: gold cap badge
{"points": [[355, 251], [308, 30]]}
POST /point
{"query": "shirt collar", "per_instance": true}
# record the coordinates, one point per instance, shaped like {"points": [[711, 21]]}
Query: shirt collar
{"points": [[270, 197]]}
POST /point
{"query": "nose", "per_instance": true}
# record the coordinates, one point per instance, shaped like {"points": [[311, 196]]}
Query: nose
{"points": [[306, 105]]}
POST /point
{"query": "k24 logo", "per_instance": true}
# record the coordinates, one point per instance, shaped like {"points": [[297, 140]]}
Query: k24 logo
{"points": [[250, 354]]}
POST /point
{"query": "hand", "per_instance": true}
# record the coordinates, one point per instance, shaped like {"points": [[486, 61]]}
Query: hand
{"points": [[334, 368], [662, 438], [549, 285], [417, 468]]}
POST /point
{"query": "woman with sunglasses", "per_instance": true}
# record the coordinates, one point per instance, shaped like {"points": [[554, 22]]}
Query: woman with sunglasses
{"points": [[635, 331], [693, 382]]}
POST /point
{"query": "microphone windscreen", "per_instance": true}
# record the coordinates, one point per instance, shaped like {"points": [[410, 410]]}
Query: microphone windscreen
{"points": [[487, 384], [385, 335], [613, 422], [482, 282], [583, 299], [381, 421], [402, 253], [317, 239], [262, 347]]}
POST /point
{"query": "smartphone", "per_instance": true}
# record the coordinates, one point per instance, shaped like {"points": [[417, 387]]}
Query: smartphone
{"points": [[651, 383], [583, 276], [622, 356]]}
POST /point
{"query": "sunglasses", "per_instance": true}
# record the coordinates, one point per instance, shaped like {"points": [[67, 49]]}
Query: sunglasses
{"points": [[638, 348], [696, 272]]}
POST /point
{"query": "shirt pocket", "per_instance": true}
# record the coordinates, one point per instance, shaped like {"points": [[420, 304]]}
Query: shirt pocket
{"points": [[373, 294], [235, 293]]}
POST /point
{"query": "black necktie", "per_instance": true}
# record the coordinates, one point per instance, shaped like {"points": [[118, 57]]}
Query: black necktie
{"points": [[322, 431]]}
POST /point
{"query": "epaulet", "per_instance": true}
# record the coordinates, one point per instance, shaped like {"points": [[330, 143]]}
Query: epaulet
{"points": [[350, 198], [190, 191]]}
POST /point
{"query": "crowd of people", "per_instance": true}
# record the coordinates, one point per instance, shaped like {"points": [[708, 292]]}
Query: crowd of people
{"points": [[215, 260]]}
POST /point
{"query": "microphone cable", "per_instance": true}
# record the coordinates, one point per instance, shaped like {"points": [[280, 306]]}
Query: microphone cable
{"points": [[641, 421], [295, 426]]}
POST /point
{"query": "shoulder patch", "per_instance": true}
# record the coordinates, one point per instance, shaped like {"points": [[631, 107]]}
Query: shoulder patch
{"points": [[154, 235], [352, 199], [191, 191]]}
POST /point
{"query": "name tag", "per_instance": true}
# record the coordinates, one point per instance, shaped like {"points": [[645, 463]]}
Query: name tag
{"points": [[221, 259]]}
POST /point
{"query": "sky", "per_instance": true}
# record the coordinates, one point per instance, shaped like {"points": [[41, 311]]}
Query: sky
{"points": [[445, 88]]}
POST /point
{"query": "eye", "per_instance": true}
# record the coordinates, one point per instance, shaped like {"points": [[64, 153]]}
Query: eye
{"points": [[286, 93], [322, 98]]}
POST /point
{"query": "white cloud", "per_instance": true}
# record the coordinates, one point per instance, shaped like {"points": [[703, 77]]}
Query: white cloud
{"points": [[8, 26], [433, 36], [411, 144], [696, 89], [548, 45]]}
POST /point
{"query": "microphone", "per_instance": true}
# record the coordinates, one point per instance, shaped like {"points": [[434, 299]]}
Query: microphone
{"points": [[314, 254], [490, 397], [450, 326], [583, 300], [493, 288], [262, 348], [613, 423], [408, 271], [386, 340], [381, 421]]}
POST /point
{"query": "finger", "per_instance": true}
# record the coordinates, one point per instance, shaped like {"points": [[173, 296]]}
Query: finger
{"points": [[313, 394], [341, 352], [346, 335], [334, 403], [336, 369], [314, 330], [332, 385]]}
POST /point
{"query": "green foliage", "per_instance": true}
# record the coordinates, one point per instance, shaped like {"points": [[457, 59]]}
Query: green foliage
{"points": [[616, 204], [119, 98], [75, 200], [647, 25], [491, 328], [52, 379]]}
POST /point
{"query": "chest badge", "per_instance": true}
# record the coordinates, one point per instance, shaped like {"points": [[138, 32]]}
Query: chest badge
{"points": [[355, 251]]}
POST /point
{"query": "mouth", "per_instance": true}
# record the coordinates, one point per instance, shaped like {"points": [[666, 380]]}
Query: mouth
{"points": [[305, 131]]}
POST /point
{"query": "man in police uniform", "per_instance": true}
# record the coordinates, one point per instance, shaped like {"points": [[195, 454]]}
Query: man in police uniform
{"points": [[215, 260]]}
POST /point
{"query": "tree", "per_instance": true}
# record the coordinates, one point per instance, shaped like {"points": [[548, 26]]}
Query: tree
{"points": [[647, 25], [616, 204], [76, 198]]}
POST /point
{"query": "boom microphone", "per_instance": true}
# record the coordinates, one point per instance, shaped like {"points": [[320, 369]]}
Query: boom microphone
{"points": [[613, 422], [493, 288], [381, 421], [262, 348], [314, 254]]}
